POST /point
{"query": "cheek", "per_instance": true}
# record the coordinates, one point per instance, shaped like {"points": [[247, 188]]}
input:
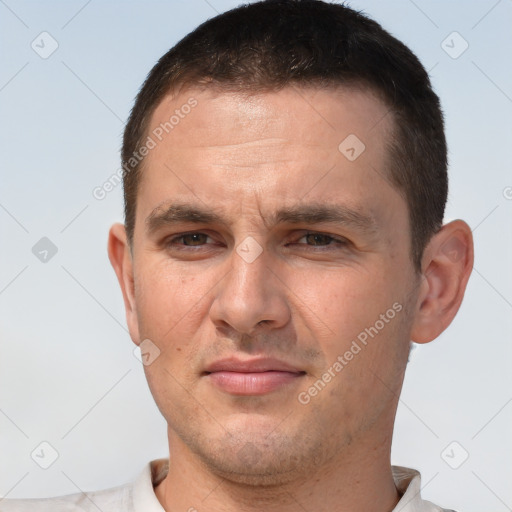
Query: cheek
{"points": [[169, 301], [344, 301]]}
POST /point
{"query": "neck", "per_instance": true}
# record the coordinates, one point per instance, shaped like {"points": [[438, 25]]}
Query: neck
{"points": [[358, 479]]}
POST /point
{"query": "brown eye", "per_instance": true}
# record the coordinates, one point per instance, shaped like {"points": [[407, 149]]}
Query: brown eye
{"points": [[193, 238], [322, 241], [318, 239]]}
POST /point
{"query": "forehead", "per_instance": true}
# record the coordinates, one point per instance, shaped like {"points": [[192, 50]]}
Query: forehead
{"points": [[242, 114], [211, 145]]}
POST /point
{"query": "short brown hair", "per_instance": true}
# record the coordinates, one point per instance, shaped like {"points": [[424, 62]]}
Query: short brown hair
{"points": [[267, 45]]}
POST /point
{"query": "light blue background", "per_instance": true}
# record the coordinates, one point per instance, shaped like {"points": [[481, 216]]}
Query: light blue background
{"points": [[67, 370]]}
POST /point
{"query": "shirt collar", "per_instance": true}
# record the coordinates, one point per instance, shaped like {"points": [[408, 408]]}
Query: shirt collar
{"points": [[407, 481], [144, 497]]}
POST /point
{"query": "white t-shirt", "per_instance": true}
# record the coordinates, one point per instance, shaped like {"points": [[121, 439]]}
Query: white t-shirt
{"points": [[139, 496]]}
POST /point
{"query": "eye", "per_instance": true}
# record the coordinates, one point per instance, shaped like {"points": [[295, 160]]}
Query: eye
{"points": [[318, 239], [195, 239], [315, 239]]}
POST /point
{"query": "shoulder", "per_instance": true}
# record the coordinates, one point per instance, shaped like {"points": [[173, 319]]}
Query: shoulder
{"points": [[109, 500], [137, 496], [408, 483]]}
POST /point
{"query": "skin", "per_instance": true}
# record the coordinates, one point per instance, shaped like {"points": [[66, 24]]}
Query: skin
{"points": [[303, 300]]}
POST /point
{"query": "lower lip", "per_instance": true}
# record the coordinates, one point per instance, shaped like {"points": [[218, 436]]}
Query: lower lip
{"points": [[258, 383]]}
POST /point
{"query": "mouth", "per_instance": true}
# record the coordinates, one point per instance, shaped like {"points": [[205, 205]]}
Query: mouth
{"points": [[252, 377]]}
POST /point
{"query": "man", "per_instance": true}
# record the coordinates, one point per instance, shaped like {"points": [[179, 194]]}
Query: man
{"points": [[285, 184]]}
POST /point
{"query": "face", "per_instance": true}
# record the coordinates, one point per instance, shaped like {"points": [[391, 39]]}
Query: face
{"points": [[273, 278]]}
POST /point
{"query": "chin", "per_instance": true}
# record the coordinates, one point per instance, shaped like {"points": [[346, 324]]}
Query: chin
{"points": [[253, 467], [260, 459]]}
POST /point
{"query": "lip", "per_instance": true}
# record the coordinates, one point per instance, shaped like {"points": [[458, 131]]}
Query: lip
{"points": [[251, 377], [264, 364]]}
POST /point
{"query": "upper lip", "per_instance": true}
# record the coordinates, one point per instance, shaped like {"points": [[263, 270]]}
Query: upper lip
{"points": [[265, 364]]}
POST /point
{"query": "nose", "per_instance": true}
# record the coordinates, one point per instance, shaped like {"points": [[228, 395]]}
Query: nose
{"points": [[250, 294]]}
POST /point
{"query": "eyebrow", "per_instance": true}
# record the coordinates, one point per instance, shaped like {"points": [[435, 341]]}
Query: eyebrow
{"points": [[310, 213]]}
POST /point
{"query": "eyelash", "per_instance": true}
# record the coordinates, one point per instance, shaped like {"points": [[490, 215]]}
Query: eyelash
{"points": [[172, 241]]}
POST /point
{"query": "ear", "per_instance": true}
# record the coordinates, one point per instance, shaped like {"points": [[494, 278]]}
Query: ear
{"points": [[120, 257], [446, 266]]}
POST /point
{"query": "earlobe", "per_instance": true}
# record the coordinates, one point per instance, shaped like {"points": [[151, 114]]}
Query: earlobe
{"points": [[121, 259], [446, 267]]}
